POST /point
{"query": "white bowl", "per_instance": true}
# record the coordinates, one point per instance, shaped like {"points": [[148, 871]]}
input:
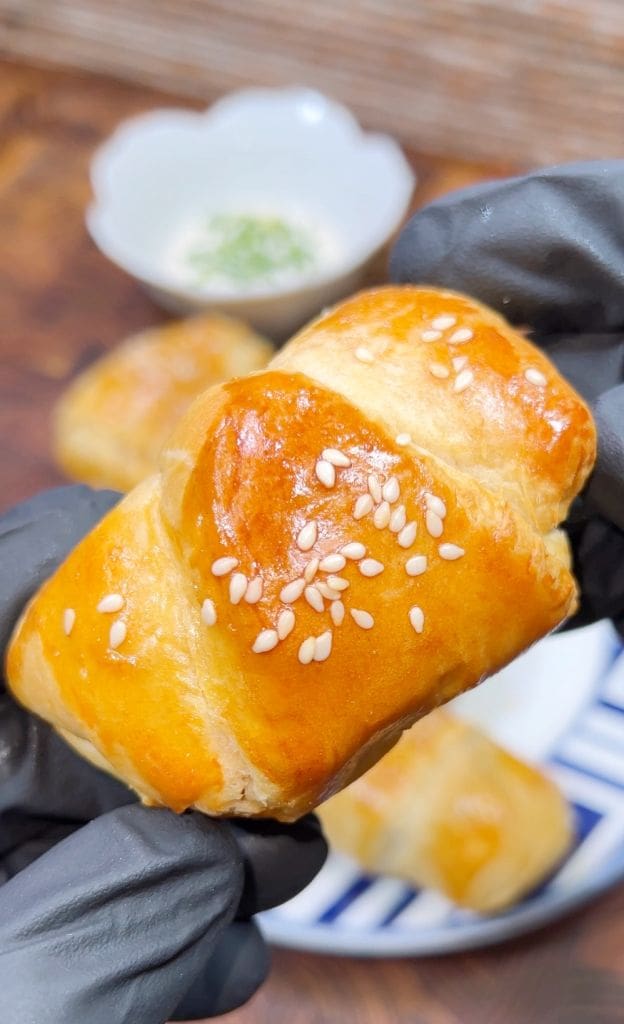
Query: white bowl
{"points": [[290, 151]]}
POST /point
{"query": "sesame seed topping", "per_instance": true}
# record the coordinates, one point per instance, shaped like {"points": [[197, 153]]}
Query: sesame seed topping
{"points": [[306, 650], [333, 563], [254, 590], [69, 618], [285, 623], [417, 618], [238, 586], [535, 377], [450, 552], [314, 599], [461, 336], [435, 526], [336, 457], [208, 612], [435, 504], [325, 472], [311, 570], [337, 583], [353, 550], [439, 371], [381, 517], [337, 612], [416, 565], [370, 567], [292, 591], [459, 362], [364, 355], [397, 519], [266, 640], [363, 506], [443, 322], [117, 634], [463, 380], [374, 488], [306, 538], [391, 490], [407, 535], [327, 592], [431, 335], [323, 646], [111, 603], [403, 439], [362, 618], [223, 566]]}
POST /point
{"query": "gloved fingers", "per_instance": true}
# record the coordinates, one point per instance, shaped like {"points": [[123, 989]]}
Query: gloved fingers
{"points": [[279, 860], [237, 968], [544, 249], [115, 922], [36, 536], [599, 568], [23, 840]]}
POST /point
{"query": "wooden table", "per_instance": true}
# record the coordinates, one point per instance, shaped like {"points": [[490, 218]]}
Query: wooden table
{"points": [[61, 303]]}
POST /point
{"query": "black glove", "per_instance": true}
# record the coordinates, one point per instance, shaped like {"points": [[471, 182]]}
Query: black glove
{"points": [[546, 251], [112, 913]]}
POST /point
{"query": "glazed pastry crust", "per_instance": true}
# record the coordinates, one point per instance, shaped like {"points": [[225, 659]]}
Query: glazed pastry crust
{"points": [[233, 695]]}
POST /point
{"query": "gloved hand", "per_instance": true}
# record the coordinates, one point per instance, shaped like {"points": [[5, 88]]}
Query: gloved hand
{"points": [[112, 913], [546, 251]]}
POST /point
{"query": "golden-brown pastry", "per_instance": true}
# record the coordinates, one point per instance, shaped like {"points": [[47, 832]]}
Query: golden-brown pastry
{"points": [[332, 548], [111, 423], [449, 809]]}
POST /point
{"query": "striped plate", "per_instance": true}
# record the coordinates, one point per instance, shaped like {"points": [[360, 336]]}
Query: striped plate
{"points": [[562, 705]]}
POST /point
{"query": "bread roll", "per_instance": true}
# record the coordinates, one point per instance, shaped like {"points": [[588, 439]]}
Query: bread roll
{"points": [[332, 548], [111, 423], [449, 809]]}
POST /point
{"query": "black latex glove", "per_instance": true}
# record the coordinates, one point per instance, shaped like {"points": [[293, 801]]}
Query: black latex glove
{"points": [[112, 913], [547, 250]]}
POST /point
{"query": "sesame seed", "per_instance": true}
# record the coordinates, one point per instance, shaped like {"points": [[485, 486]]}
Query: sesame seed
{"points": [[69, 618], [363, 506], [374, 488], [327, 592], [370, 567], [353, 550], [381, 517], [435, 526], [337, 612], [364, 355], [325, 472], [391, 490], [336, 457], [306, 538], [397, 519], [266, 640], [254, 590], [459, 362], [238, 586], [461, 336], [431, 335], [208, 612], [337, 583], [306, 650], [416, 565], [463, 380], [314, 599], [285, 623], [407, 535], [535, 377], [323, 646], [117, 634], [292, 591], [333, 563], [450, 552], [403, 439], [417, 618], [435, 504], [223, 566], [362, 618], [439, 371], [443, 322], [111, 603], [311, 570]]}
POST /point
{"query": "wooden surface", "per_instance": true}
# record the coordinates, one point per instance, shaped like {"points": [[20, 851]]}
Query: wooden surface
{"points": [[61, 304], [540, 80]]}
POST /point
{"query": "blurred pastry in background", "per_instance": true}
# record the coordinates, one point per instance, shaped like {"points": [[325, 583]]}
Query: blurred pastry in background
{"points": [[450, 810], [111, 423]]}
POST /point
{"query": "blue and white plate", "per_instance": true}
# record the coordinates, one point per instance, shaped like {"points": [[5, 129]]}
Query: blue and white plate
{"points": [[560, 705]]}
